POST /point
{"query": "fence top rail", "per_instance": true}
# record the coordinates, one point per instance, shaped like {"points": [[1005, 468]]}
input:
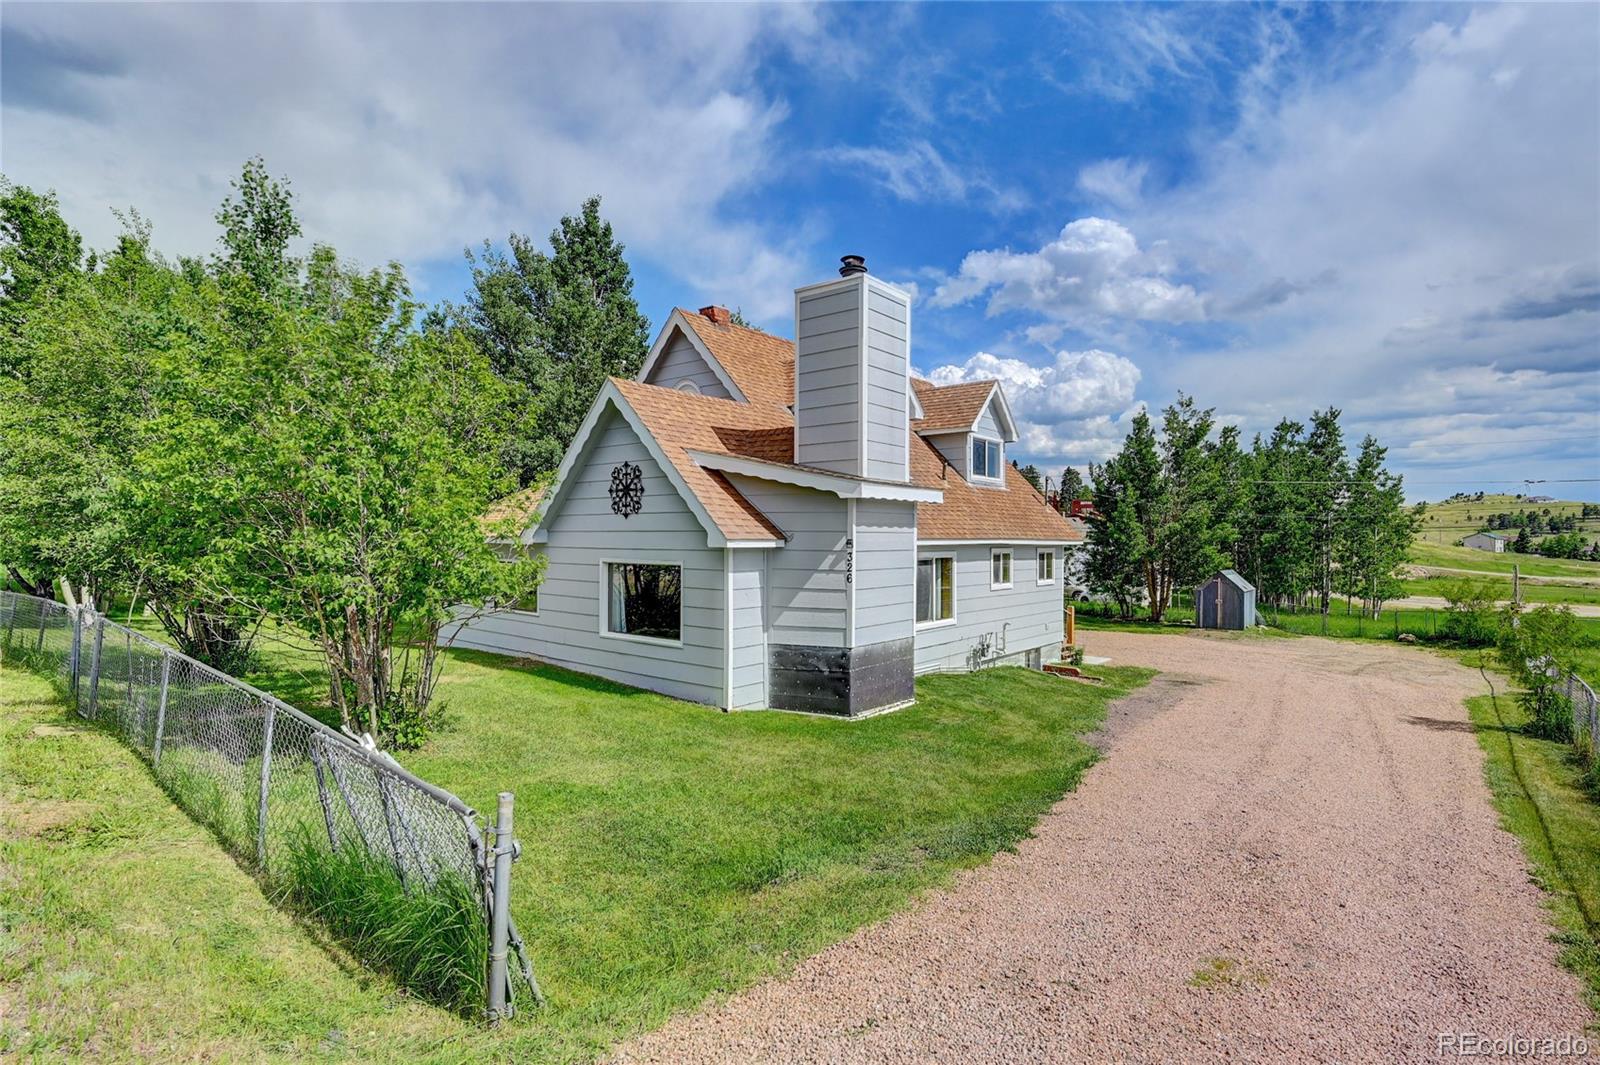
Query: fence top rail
{"points": [[378, 760]]}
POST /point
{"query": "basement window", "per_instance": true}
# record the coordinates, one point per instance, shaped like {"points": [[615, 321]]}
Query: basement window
{"points": [[644, 601], [999, 569], [936, 590]]}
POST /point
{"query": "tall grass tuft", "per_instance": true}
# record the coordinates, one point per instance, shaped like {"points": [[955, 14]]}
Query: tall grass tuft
{"points": [[433, 941]]}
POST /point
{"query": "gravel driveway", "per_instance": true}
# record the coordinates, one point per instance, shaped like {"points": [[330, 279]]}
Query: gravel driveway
{"points": [[1289, 854]]}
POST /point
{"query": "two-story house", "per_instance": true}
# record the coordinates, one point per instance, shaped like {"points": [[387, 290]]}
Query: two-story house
{"points": [[755, 522]]}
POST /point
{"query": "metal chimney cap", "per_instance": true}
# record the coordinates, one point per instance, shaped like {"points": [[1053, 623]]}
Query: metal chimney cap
{"points": [[851, 265]]}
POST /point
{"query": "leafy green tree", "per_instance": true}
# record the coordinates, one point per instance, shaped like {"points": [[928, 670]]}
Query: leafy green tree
{"points": [[38, 252], [1375, 531], [556, 325], [1189, 529], [1324, 474], [1073, 486], [1114, 567], [1274, 546], [1536, 647]]}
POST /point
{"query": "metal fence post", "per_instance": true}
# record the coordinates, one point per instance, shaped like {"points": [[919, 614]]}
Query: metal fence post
{"points": [[266, 774], [500, 909], [161, 707], [94, 665], [77, 652]]}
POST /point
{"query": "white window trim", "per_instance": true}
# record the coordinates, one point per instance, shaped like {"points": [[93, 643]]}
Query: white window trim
{"points": [[1000, 459], [955, 602], [1011, 563], [604, 600], [1041, 556], [689, 387]]}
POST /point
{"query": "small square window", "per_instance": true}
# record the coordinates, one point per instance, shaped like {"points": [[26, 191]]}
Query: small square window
{"points": [[1000, 569], [644, 601]]}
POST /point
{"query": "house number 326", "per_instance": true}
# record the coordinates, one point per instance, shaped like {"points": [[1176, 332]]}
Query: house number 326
{"points": [[849, 561]]}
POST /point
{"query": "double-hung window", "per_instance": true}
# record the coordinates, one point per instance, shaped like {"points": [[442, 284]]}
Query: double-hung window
{"points": [[1047, 566], [936, 589], [986, 458], [644, 601], [1000, 569]]}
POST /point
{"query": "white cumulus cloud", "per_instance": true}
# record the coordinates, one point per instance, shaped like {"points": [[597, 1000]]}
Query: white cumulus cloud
{"points": [[1074, 408], [1094, 269]]}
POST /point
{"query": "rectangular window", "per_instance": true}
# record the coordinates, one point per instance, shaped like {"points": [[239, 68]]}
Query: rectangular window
{"points": [[985, 458], [529, 603], [644, 600], [1047, 567], [1000, 569], [936, 589]]}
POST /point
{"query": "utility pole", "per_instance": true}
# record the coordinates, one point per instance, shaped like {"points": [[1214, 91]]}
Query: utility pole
{"points": [[1516, 584]]}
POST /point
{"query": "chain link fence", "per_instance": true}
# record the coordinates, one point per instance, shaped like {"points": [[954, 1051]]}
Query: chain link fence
{"points": [[1585, 714], [398, 867]]}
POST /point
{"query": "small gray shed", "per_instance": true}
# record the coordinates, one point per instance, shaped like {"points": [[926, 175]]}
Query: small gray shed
{"points": [[1226, 601]]}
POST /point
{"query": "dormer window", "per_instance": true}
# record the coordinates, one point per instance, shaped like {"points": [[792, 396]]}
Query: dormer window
{"points": [[986, 458]]}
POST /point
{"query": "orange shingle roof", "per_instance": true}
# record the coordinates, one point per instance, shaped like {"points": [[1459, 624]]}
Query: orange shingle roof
{"points": [[522, 505], [681, 421], [953, 407], [761, 364], [973, 513]]}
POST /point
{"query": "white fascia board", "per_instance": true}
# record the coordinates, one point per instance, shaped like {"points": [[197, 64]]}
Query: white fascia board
{"points": [[843, 487], [916, 404], [1003, 410], [676, 323], [1000, 541], [610, 396]]}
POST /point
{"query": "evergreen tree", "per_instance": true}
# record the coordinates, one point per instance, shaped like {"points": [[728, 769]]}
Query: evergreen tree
{"points": [[1114, 567], [1523, 544], [1031, 473], [1073, 487], [556, 325], [1324, 473]]}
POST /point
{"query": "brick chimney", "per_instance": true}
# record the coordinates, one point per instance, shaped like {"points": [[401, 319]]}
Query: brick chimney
{"points": [[717, 315]]}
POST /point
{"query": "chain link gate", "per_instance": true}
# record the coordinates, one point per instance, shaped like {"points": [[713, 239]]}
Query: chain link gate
{"points": [[270, 781]]}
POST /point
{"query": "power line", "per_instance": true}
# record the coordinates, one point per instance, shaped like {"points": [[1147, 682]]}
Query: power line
{"points": [[1591, 437]]}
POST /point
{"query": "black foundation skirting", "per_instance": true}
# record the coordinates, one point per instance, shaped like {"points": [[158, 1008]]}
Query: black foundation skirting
{"points": [[847, 681]]}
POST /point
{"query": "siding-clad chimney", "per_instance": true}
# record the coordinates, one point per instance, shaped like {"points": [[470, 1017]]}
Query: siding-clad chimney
{"points": [[852, 374]]}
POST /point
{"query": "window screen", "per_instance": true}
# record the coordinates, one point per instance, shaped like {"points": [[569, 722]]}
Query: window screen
{"points": [[935, 589]]}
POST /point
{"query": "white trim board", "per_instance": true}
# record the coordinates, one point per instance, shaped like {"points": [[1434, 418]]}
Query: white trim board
{"points": [[842, 485]]}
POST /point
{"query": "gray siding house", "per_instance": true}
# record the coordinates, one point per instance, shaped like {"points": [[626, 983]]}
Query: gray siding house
{"points": [[755, 522]]}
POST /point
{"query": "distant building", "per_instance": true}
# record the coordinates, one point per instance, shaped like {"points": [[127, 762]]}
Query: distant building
{"points": [[1486, 541], [1539, 499]]}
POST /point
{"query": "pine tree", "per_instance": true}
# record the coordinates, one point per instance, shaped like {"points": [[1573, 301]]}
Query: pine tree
{"points": [[557, 325]]}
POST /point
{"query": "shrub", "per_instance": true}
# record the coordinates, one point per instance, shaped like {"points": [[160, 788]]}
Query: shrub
{"points": [[1470, 617], [1536, 648]]}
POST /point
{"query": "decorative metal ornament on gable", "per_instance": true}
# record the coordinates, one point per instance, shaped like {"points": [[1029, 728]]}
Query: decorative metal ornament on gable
{"points": [[627, 490]]}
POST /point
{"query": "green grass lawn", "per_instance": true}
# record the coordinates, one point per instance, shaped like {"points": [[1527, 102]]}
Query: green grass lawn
{"points": [[126, 934], [671, 853], [1539, 788], [1531, 592], [1430, 553]]}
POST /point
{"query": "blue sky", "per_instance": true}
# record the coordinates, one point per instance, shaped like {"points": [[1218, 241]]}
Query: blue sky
{"points": [[1392, 209]]}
